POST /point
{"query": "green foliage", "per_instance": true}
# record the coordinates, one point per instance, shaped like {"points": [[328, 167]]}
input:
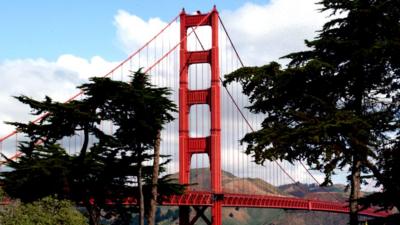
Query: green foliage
{"points": [[103, 168], [337, 104], [43, 175], [46, 211], [389, 167]]}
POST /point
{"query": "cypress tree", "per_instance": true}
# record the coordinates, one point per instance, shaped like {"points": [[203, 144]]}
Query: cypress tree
{"points": [[335, 105]]}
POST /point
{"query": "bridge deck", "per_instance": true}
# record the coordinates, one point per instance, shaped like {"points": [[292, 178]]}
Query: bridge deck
{"points": [[263, 201]]}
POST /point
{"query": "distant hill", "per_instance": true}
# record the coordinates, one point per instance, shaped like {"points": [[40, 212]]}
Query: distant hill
{"points": [[200, 179], [335, 192]]}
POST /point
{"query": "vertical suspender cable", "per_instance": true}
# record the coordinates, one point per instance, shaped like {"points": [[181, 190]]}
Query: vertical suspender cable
{"points": [[277, 163], [16, 142]]}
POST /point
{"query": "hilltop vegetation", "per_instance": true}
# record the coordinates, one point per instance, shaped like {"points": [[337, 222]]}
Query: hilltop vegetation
{"points": [[46, 211]]}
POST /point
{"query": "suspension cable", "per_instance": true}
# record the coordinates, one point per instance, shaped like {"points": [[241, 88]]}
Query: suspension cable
{"points": [[172, 49], [106, 75], [247, 122], [234, 101], [41, 117]]}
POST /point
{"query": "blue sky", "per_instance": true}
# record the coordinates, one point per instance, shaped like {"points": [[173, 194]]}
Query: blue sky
{"points": [[49, 28]]}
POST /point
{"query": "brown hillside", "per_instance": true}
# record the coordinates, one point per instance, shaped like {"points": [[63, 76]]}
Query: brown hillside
{"points": [[200, 179]]}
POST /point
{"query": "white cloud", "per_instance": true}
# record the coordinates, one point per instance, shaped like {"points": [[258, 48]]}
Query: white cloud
{"points": [[96, 66], [133, 32], [37, 78], [264, 33], [261, 33]]}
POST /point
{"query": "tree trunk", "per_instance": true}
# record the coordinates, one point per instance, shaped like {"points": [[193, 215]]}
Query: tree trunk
{"points": [[355, 189], [85, 144], [94, 214], [355, 179], [141, 197], [154, 183]]}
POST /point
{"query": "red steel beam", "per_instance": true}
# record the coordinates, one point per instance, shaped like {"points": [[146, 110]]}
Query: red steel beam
{"points": [[196, 57], [265, 201], [198, 97], [199, 145]]}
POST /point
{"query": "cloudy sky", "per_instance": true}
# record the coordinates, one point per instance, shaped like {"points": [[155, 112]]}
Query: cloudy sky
{"points": [[49, 47]]}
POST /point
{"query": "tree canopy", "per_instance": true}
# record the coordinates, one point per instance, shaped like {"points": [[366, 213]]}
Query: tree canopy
{"points": [[335, 105], [46, 211], [109, 164]]}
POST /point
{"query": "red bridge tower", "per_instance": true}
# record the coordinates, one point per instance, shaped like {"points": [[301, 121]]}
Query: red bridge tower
{"points": [[210, 145]]}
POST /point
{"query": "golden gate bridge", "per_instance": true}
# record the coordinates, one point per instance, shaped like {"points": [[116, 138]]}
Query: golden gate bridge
{"points": [[204, 140]]}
